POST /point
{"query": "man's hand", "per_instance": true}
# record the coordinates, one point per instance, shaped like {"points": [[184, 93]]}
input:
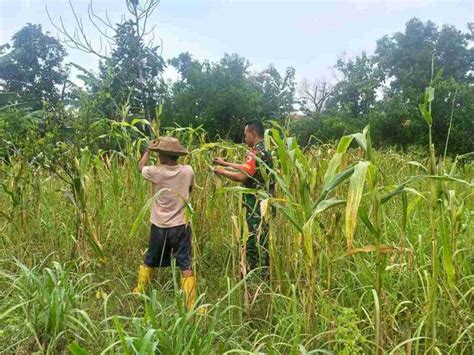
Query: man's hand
{"points": [[218, 161], [153, 144], [219, 171], [221, 161]]}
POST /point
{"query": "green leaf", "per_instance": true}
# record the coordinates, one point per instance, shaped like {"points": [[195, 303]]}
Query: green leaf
{"points": [[398, 190], [267, 139], [136, 224], [8, 311], [404, 211], [122, 336], [361, 140], [326, 204], [419, 165], [76, 349], [430, 93], [333, 183], [356, 187], [291, 143], [332, 167], [365, 218], [344, 143], [426, 114], [85, 161], [159, 110], [142, 121], [447, 256], [336, 180], [290, 217]]}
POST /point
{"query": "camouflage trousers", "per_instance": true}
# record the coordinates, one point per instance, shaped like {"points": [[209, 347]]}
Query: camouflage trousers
{"points": [[257, 242]]}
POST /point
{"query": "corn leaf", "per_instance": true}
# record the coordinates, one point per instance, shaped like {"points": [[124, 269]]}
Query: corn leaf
{"points": [[447, 247], [429, 93], [426, 114], [332, 167], [344, 143], [361, 140], [365, 218], [356, 187]]}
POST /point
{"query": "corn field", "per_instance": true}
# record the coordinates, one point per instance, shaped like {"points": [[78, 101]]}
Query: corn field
{"points": [[371, 252]]}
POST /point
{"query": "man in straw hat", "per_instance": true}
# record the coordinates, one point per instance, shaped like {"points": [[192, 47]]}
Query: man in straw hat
{"points": [[170, 233]]}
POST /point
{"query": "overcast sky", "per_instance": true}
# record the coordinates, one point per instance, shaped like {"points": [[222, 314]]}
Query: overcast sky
{"points": [[308, 35]]}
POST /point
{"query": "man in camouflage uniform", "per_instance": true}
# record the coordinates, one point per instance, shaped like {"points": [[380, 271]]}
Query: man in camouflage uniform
{"points": [[253, 174]]}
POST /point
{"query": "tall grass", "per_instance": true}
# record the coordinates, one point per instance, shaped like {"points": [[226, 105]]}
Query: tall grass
{"points": [[356, 247]]}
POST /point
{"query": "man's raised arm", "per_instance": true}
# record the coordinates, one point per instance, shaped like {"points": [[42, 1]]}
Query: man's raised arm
{"points": [[144, 159]]}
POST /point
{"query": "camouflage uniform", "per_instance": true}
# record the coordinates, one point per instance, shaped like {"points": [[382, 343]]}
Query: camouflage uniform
{"points": [[259, 178]]}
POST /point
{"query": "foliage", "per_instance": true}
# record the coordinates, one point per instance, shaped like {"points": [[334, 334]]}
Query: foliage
{"points": [[356, 92], [15, 125], [132, 74], [348, 337], [45, 304], [406, 57], [218, 96], [370, 249], [32, 68], [222, 96], [383, 90], [277, 92], [359, 293]]}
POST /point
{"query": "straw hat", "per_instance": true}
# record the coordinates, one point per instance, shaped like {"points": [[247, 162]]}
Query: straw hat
{"points": [[170, 146]]}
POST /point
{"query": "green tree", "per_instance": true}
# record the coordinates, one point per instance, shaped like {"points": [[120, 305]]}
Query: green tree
{"points": [[455, 54], [32, 67], [462, 130], [406, 60], [220, 96], [386, 88], [133, 73], [278, 92], [405, 57], [130, 67], [356, 93]]}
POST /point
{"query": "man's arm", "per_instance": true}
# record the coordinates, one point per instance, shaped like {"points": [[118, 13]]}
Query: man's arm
{"points": [[144, 160], [221, 161], [237, 176], [243, 171]]}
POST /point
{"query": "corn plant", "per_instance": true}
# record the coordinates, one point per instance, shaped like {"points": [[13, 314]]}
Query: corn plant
{"points": [[353, 267]]}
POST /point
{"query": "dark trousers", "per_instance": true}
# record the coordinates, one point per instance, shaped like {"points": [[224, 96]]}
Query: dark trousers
{"points": [[164, 243]]}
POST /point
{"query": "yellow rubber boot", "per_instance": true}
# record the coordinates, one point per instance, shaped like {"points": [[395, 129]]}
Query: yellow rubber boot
{"points": [[188, 284], [144, 276]]}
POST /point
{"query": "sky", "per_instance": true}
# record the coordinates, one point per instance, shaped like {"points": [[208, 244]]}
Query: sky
{"points": [[309, 35]]}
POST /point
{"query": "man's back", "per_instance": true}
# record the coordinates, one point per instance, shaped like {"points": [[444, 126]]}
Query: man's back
{"points": [[175, 181]]}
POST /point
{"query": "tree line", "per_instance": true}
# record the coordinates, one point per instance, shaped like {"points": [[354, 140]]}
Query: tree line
{"points": [[382, 89]]}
